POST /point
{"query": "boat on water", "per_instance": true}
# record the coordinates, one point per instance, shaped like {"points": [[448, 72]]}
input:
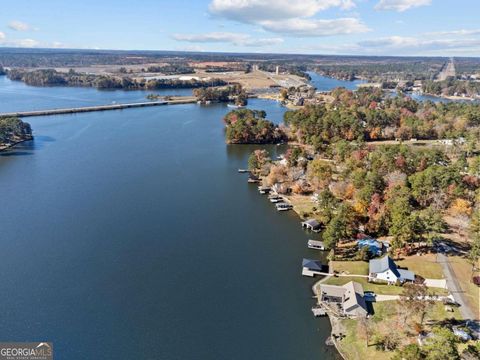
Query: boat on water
{"points": [[242, 171], [264, 190], [316, 245], [276, 199], [283, 206]]}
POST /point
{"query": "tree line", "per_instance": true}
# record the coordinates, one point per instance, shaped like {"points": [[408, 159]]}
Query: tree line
{"points": [[51, 77]]}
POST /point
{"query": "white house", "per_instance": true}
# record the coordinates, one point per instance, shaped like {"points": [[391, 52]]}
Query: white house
{"points": [[385, 269]]}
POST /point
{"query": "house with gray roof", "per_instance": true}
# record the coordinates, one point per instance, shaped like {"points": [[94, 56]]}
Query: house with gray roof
{"points": [[349, 298], [385, 269]]}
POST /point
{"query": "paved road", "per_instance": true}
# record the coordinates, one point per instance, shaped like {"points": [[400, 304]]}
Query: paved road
{"points": [[454, 288]]}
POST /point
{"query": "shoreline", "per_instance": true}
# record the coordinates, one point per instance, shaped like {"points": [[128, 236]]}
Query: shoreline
{"points": [[12, 145]]}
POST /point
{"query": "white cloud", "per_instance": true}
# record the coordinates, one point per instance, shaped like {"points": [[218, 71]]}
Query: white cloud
{"points": [[401, 5], [289, 17], [58, 45], [18, 42], [316, 28], [462, 32], [19, 26], [253, 11], [420, 45], [463, 42], [236, 39], [23, 43]]}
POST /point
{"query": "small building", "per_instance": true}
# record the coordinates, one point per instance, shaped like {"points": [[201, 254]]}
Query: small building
{"points": [[313, 267], [312, 225], [316, 245], [373, 246], [349, 298], [385, 269]]}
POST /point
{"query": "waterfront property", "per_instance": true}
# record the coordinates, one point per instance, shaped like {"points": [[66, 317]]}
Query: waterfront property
{"points": [[316, 245], [385, 269], [346, 300], [264, 190], [313, 267], [312, 224], [283, 206]]}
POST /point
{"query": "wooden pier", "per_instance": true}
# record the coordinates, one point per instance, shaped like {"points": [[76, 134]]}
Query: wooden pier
{"points": [[173, 101]]}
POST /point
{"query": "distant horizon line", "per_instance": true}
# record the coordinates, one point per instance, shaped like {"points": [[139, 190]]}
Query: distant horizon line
{"points": [[33, 49]]}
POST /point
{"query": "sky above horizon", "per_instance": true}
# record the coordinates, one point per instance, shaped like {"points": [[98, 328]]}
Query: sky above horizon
{"points": [[348, 27]]}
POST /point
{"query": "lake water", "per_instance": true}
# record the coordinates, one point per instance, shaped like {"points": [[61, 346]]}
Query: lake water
{"points": [[324, 83], [130, 235]]}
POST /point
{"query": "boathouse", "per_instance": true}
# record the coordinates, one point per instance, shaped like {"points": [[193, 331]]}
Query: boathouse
{"points": [[316, 245], [312, 225], [313, 267]]}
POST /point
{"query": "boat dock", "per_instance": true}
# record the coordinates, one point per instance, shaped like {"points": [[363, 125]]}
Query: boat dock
{"points": [[173, 101]]}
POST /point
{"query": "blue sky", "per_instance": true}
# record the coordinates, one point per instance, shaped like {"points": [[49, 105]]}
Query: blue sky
{"points": [[364, 27]]}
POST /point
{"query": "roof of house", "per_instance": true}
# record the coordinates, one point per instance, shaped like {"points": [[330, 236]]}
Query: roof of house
{"points": [[383, 264], [406, 274], [332, 290], [351, 294], [354, 297], [312, 264]]}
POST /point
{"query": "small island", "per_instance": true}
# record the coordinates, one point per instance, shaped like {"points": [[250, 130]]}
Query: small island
{"points": [[13, 131]]}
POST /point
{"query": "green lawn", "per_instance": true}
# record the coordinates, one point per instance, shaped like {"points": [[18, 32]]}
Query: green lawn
{"points": [[353, 346], [377, 288], [426, 266], [351, 267]]}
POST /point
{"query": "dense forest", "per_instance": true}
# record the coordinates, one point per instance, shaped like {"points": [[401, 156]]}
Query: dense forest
{"points": [[222, 94], [172, 69], [402, 70], [401, 190], [451, 87], [246, 126], [50, 77], [13, 130], [367, 115]]}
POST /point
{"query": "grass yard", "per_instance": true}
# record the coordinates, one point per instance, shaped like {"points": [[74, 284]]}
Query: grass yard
{"points": [[384, 321], [425, 266], [302, 205], [463, 271], [377, 288], [353, 346], [350, 267]]}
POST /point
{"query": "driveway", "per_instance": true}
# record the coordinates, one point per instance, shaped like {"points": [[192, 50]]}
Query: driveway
{"points": [[436, 283], [454, 288], [380, 297]]}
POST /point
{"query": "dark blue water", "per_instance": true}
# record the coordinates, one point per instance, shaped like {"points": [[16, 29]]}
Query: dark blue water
{"points": [[130, 235], [324, 83]]}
